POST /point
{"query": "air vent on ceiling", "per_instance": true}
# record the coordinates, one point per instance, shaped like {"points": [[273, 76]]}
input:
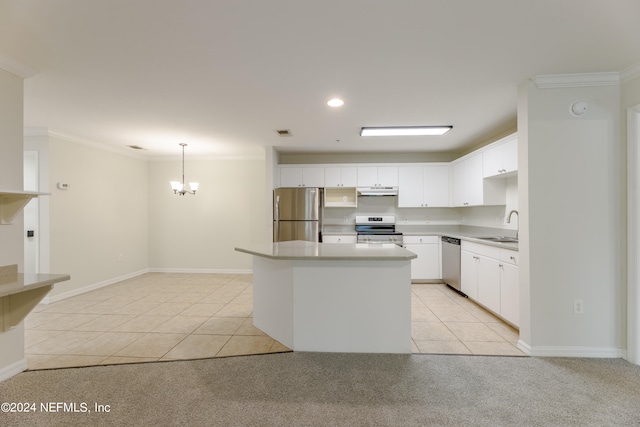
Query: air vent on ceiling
{"points": [[284, 132], [135, 147]]}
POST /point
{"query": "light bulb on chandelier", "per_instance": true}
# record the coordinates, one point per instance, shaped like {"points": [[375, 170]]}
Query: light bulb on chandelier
{"points": [[179, 187]]}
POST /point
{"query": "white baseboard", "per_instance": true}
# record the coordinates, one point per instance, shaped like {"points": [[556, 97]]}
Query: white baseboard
{"points": [[526, 348], [59, 297], [595, 352], [13, 369], [202, 271]]}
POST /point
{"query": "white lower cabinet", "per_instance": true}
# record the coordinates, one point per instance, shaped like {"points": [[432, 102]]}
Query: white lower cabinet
{"points": [[489, 275], [510, 287], [469, 274], [489, 283], [427, 266], [339, 238]]}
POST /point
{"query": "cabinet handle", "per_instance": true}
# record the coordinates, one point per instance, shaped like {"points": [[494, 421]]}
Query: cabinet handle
{"points": [[512, 258]]}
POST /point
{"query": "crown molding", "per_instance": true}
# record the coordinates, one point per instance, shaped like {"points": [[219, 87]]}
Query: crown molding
{"points": [[630, 73], [550, 81], [210, 157], [38, 131], [15, 67], [34, 131]]}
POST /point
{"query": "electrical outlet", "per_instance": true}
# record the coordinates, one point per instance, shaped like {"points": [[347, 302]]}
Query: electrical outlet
{"points": [[406, 220], [346, 219], [578, 306], [120, 257]]}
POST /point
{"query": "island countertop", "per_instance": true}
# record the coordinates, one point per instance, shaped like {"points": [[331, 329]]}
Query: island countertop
{"points": [[302, 250]]}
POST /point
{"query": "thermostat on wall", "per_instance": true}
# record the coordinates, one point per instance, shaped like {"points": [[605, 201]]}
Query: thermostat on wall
{"points": [[63, 186]]}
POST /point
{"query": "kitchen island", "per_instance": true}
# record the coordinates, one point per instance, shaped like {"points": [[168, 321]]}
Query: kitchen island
{"points": [[333, 297]]}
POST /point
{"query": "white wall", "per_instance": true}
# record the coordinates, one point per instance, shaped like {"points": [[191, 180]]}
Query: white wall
{"points": [[102, 215], [199, 232], [575, 199], [11, 241], [631, 100]]}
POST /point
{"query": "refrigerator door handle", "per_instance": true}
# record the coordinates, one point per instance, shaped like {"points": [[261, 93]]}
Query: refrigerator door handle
{"points": [[277, 218]]}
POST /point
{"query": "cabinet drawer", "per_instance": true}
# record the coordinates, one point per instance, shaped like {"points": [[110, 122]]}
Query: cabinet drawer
{"points": [[510, 257], [417, 240], [478, 248], [339, 238]]}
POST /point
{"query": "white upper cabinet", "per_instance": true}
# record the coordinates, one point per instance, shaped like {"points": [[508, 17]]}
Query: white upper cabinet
{"points": [[423, 186], [501, 160], [469, 188], [377, 176], [341, 176], [466, 185], [301, 177]]}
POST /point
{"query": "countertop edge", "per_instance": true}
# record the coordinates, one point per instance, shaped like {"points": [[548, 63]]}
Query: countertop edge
{"points": [[329, 257], [42, 280]]}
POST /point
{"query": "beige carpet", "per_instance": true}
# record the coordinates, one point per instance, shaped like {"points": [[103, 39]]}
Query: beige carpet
{"points": [[324, 389]]}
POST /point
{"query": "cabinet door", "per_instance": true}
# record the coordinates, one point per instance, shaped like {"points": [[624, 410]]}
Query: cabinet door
{"points": [[333, 177], [313, 177], [349, 176], [410, 186], [290, 177], [469, 274], [367, 176], [475, 181], [500, 159], [388, 176], [510, 294], [458, 184], [436, 186], [489, 283], [427, 265], [510, 155]]}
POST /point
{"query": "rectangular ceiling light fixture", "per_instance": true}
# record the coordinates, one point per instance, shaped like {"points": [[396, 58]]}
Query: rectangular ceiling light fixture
{"points": [[404, 130]]}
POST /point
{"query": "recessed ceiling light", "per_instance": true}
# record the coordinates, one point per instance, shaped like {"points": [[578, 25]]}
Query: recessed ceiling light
{"points": [[404, 130], [335, 102]]}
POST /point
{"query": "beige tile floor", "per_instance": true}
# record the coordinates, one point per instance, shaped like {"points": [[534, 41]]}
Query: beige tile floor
{"points": [[444, 322], [162, 316]]}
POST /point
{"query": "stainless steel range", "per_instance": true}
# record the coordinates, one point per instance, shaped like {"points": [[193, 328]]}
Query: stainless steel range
{"points": [[377, 229]]}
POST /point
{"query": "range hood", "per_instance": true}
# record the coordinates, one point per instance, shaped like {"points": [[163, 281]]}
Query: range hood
{"points": [[377, 191]]}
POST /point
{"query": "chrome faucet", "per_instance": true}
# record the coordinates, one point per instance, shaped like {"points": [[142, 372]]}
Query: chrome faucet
{"points": [[509, 221]]}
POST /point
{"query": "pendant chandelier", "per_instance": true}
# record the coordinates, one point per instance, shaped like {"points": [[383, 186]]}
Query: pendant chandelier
{"points": [[179, 187]]}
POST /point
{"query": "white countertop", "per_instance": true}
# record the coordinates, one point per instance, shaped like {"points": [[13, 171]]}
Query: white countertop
{"points": [[28, 282], [301, 250]]}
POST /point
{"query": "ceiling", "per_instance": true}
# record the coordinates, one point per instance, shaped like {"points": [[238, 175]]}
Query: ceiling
{"points": [[224, 75]]}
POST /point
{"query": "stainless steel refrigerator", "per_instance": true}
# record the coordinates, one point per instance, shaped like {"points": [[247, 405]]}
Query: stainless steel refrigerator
{"points": [[297, 214]]}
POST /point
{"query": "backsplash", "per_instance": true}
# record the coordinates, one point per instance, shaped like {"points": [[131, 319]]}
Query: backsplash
{"points": [[479, 216]]}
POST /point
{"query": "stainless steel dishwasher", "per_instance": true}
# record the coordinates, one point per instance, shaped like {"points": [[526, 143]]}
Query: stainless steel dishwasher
{"points": [[451, 262]]}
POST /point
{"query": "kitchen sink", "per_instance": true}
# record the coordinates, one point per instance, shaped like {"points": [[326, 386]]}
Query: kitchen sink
{"points": [[500, 239]]}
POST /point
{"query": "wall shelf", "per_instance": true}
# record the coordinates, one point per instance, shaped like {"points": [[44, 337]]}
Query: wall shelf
{"points": [[340, 197], [19, 293], [12, 203]]}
